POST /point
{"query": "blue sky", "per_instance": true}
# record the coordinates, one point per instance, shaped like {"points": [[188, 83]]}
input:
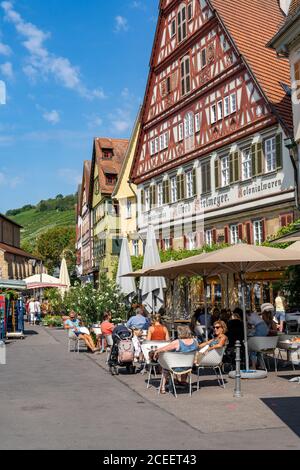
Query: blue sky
{"points": [[73, 70]]}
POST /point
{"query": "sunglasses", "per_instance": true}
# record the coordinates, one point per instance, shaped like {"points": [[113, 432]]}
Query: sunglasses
{"points": [[217, 327]]}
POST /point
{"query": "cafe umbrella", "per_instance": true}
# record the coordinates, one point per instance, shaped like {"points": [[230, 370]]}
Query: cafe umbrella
{"points": [[239, 259], [126, 284]]}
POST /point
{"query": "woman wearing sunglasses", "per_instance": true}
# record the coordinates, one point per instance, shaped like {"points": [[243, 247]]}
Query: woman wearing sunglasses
{"points": [[220, 340]]}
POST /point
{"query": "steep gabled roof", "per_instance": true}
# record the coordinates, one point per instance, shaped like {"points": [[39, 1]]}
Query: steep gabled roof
{"points": [[293, 10], [105, 166], [251, 25], [86, 177]]}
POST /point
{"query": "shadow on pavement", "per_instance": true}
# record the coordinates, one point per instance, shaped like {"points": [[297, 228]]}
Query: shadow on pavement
{"points": [[287, 409]]}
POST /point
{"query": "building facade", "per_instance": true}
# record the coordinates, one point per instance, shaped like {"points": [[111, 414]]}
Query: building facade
{"points": [[286, 42], [86, 225], [15, 263], [108, 157], [211, 165], [79, 267], [125, 194]]}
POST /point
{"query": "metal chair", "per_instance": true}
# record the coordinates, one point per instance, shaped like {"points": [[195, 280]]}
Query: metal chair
{"points": [[292, 326], [264, 345], [213, 360], [72, 338], [170, 361], [148, 346], [109, 343]]}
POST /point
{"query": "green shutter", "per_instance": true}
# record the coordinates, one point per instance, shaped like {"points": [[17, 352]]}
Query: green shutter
{"points": [[279, 151], [253, 157], [195, 181], [217, 173], [231, 168], [236, 164], [166, 192], [259, 158], [208, 177]]}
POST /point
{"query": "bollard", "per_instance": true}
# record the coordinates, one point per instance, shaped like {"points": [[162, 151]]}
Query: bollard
{"points": [[237, 388]]}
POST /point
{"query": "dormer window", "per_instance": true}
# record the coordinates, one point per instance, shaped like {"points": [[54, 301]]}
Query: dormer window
{"points": [[107, 154], [182, 26], [111, 179]]}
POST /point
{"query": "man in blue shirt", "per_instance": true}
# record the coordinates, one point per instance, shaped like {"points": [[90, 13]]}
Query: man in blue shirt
{"points": [[139, 321]]}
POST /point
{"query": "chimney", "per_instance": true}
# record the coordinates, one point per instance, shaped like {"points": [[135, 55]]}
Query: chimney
{"points": [[285, 6]]}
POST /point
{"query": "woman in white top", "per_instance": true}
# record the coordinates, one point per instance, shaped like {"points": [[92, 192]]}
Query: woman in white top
{"points": [[280, 304]]}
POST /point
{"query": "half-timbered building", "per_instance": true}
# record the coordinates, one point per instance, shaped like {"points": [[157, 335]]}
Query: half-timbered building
{"points": [[211, 164]]}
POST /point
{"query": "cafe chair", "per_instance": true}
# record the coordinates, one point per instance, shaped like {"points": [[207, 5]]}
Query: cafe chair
{"points": [[264, 345], [72, 338], [213, 360], [292, 326], [152, 366], [172, 361]]}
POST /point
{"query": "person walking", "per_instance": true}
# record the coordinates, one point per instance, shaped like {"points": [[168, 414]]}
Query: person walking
{"points": [[31, 309], [280, 307], [37, 309]]}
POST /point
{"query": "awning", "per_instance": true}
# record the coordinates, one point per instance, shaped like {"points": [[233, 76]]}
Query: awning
{"points": [[12, 284]]}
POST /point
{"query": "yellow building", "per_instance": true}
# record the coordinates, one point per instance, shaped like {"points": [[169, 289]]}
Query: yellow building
{"points": [[125, 196], [108, 157]]}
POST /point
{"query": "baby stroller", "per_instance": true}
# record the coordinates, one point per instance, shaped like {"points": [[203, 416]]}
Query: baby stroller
{"points": [[122, 351]]}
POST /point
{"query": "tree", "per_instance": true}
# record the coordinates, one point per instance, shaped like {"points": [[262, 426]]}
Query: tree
{"points": [[51, 244]]}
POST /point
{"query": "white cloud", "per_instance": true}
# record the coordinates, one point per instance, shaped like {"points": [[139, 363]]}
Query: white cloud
{"points": [[41, 63], [10, 181], [5, 50], [94, 121], [121, 24], [70, 176], [7, 70], [52, 116], [138, 5]]}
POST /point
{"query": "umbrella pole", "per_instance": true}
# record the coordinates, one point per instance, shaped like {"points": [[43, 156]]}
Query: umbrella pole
{"points": [[245, 321], [173, 309], [205, 307]]}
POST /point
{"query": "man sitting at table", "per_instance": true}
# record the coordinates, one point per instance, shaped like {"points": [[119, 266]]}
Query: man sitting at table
{"points": [[139, 321]]}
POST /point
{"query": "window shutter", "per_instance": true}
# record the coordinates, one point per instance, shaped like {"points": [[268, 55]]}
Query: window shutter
{"points": [[143, 198], [231, 168], [236, 164], [194, 181], [240, 228], [226, 234], [166, 191], [283, 221], [214, 236], [259, 158], [253, 158], [264, 230], [217, 173], [183, 186], [179, 188], [279, 151], [208, 177], [153, 201], [289, 219], [249, 236]]}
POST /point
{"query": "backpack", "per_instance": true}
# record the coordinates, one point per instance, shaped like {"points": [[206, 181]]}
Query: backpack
{"points": [[126, 351]]}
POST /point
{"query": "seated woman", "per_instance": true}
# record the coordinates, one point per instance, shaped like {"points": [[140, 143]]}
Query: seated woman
{"points": [[184, 343], [73, 324], [158, 332], [107, 327], [267, 311], [258, 328], [218, 342]]}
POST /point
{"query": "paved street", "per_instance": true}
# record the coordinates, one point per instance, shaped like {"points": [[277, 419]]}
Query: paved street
{"points": [[50, 399]]}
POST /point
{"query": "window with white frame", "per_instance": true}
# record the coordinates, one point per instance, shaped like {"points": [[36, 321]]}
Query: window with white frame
{"points": [[233, 102], [156, 144], [167, 243], [270, 154], [189, 184], [152, 147], [226, 106], [220, 110], [246, 164], [128, 209], [189, 125], [225, 172], [213, 114], [258, 232], [135, 244], [234, 234], [190, 11], [161, 142], [160, 195], [173, 28], [209, 238], [174, 195], [181, 23], [202, 59], [147, 200], [185, 76], [191, 241], [166, 140], [197, 122], [180, 132]]}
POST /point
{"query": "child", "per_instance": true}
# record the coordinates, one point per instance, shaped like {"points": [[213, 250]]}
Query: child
{"points": [[137, 334]]}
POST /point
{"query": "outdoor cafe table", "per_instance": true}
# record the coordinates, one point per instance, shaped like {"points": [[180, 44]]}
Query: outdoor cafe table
{"points": [[291, 348]]}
